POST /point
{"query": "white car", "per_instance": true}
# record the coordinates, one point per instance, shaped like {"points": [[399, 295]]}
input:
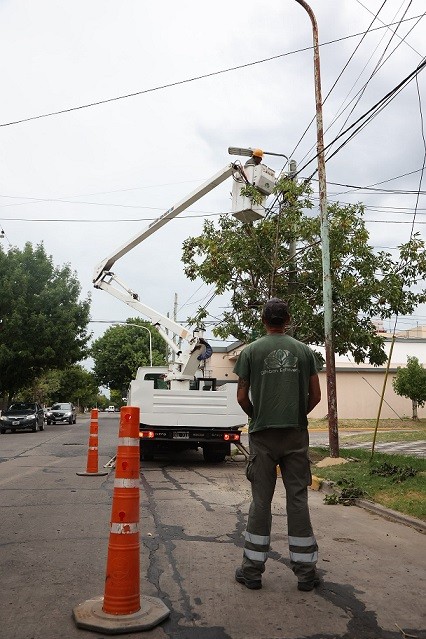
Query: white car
{"points": [[110, 409]]}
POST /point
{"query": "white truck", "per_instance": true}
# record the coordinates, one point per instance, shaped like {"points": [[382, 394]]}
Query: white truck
{"points": [[179, 410]]}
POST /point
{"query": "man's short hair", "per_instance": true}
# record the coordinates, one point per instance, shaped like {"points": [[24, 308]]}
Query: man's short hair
{"points": [[275, 312]]}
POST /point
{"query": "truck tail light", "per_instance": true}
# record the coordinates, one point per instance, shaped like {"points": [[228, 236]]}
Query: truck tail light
{"points": [[231, 437], [146, 434]]}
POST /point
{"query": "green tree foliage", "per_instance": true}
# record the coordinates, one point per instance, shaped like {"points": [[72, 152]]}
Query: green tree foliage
{"points": [[116, 398], [72, 384], [410, 382], [44, 324], [252, 262], [102, 402], [122, 349], [77, 385]]}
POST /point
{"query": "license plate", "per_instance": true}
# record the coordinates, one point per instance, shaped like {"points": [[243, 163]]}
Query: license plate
{"points": [[181, 434], [15, 423]]}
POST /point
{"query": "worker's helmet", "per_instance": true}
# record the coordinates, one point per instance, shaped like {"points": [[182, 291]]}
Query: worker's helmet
{"points": [[257, 153]]}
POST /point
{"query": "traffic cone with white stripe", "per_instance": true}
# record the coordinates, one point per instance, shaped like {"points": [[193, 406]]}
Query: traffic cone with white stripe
{"points": [[122, 608], [92, 453]]}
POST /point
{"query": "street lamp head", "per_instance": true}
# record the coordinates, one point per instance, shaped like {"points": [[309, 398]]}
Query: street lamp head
{"points": [[256, 153], [235, 150]]}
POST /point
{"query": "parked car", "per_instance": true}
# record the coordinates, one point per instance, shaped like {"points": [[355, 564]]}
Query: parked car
{"points": [[110, 409], [22, 416], [62, 412]]}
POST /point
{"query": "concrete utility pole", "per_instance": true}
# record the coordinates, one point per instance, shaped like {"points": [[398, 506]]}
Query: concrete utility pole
{"points": [[325, 241]]}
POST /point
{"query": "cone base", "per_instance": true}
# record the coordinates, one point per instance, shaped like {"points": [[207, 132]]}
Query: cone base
{"points": [[99, 473], [89, 615]]}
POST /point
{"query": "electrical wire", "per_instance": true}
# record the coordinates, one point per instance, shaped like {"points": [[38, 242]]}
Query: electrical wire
{"points": [[379, 65], [181, 82], [366, 118], [345, 66], [388, 27]]}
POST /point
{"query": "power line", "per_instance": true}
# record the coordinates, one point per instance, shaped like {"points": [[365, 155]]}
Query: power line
{"points": [[388, 27], [364, 35], [366, 118], [185, 81], [378, 66]]}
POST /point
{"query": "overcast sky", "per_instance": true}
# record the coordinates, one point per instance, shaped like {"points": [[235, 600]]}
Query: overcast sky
{"points": [[84, 181]]}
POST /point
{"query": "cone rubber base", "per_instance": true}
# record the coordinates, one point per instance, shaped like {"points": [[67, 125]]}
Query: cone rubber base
{"points": [[89, 615], [97, 474]]}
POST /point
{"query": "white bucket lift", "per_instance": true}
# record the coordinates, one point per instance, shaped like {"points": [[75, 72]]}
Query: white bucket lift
{"points": [[263, 178]]}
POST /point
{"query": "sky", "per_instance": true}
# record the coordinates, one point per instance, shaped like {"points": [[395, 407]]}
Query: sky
{"points": [[205, 76]]}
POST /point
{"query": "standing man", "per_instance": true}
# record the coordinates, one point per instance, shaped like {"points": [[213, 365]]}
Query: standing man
{"points": [[281, 374]]}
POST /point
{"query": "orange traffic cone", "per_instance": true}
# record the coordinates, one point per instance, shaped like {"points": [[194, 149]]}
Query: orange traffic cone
{"points": [[92, 453], [122, 608]]}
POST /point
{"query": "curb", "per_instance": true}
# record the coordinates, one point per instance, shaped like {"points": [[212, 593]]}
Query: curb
{"points": [[392, 515], [327, 487]]}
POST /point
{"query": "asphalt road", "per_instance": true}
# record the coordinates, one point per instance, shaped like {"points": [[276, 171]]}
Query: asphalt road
{"points": [[54, 533]]}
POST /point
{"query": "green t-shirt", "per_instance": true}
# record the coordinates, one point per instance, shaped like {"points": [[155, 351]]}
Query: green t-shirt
{"points": [[278, 368]]}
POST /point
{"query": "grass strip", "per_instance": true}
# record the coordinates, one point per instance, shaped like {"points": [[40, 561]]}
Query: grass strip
{"points": [[406, 495]]}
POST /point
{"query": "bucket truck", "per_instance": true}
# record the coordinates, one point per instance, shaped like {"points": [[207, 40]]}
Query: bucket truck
{"points": [[177, 409]]}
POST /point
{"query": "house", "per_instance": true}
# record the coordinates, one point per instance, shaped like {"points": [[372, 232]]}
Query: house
{"points": [[358, 386]]}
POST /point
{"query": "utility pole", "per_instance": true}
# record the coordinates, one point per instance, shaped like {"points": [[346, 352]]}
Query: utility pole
{"points": [[325, 242], [291, 251]]}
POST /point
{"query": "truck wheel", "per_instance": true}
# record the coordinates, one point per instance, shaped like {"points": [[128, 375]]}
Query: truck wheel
{"points": [[215, 455]]}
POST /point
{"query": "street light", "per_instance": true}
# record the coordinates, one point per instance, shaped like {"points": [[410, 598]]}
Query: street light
{"points": [[129, 324], [248, 152], [325, 242]]}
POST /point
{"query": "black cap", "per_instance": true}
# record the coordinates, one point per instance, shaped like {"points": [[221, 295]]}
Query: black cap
{"points": [[275, 312]]}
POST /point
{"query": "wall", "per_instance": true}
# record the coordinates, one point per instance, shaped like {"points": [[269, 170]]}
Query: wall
{"points": [[358, 388]]}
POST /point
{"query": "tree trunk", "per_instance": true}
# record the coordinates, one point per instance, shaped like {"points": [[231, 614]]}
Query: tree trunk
{"points": [[414, 409]]}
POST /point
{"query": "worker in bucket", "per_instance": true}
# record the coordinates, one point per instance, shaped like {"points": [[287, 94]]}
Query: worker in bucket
{"points": [[278, 386], [256, 158]]}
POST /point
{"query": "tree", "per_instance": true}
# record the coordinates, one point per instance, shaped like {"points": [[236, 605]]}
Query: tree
{"points": [[72, 384], [121, 350], [252, 261], [77, 385], [410, 382], [116, 398], [44, 324]]}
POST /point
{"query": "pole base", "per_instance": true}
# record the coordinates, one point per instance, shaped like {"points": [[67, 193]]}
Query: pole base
{"points": [[89, 615], [100, 473]]}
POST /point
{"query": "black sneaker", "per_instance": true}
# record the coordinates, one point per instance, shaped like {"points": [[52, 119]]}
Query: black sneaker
{"points": [[252, 584], [306, 586]]}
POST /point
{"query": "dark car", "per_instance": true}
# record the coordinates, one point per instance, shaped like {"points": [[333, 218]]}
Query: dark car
{"points": [[22, 416], [62, 412]]}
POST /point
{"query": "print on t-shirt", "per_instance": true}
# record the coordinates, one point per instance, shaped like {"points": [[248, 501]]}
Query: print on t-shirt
{"points": [[279, 361]]}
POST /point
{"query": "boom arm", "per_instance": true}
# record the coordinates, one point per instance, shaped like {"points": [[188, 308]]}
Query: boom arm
{"points": [[104, 267], [185, 364]]}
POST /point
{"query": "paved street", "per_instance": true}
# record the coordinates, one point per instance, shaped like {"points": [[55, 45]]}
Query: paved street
{"points": [[54, 539]]}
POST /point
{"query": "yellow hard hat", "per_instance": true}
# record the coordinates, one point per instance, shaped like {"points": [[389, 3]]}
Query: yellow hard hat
{"points": [[257, 153]]}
